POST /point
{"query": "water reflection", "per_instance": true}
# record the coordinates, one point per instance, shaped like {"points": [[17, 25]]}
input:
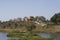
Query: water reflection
{"points": [[3, 36], [56, 36], [44, 35]]}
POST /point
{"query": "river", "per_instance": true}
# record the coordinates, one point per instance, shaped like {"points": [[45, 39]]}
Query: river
{"points": [[56, 36], [3, 35]]}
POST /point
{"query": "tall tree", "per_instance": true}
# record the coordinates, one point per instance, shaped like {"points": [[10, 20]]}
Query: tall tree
{"points": [[56, 18]]}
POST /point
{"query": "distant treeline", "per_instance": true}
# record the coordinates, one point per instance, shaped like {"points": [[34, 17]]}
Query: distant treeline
{"points": [[23, 22]]}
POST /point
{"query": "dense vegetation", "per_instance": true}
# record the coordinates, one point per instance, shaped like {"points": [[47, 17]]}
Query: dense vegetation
{"points": [[21, 22], [24, 28], [26, 36], [56, 18], [31, 23]]}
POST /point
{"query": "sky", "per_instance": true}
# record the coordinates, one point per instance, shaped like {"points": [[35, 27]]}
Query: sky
{"points": [[10, 9]]}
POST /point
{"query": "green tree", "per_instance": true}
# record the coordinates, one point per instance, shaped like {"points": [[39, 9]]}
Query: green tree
{"points": [[56, 18], [40, 19]]}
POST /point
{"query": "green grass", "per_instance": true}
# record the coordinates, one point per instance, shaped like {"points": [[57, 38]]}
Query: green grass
{"points": [[26, 36]]}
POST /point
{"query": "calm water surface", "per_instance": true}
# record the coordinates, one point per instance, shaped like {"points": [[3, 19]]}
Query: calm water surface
{"points": [[3, 35], [48, 35]]}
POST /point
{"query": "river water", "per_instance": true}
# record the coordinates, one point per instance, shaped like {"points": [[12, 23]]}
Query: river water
{"points": [[3, 35], [56, 36]]}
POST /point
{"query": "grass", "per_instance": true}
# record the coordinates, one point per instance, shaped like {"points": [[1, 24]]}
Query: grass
{"points": [[26, 36]]}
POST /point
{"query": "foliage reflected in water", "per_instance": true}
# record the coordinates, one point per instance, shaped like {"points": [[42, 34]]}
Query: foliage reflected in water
{"points": [[26, 36]]}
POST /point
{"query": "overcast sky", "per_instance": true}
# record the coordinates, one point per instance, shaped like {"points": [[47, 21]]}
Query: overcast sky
{"points": [[10, 9]]}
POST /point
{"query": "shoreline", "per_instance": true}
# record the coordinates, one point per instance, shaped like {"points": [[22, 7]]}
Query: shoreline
{"points": [[24, 31]]}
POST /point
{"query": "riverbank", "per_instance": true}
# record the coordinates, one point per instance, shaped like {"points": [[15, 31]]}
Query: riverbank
{"points": [[49, 30]]}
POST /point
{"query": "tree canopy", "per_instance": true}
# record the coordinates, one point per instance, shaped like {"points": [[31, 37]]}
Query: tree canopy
{"points": [[56, 18]]}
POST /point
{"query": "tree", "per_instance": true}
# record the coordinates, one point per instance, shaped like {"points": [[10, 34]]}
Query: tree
{"points": [[40, 19], [56, 18]]}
